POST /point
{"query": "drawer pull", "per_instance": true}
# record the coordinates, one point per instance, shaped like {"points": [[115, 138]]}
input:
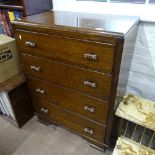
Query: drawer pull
{"points": [[35, 68], [90, 56], [90, 131], [91, 84], [44, 110], [30, 44], [87, 108], [38, 90]]}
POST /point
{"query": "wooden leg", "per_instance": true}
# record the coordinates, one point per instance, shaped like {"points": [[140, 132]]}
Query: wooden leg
{"points": [[117, 130], [103, 149], [43, 120], [120, 126]]}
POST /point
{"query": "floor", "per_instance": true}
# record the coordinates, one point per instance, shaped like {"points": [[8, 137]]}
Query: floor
{"points": [[36, 138]]}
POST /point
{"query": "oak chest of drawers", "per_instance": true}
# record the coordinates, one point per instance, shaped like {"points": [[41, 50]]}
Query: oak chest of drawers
{"points": [[72, 63]]}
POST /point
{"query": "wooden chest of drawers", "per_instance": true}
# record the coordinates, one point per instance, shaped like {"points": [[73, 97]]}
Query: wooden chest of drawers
{"points": [[72, 67]]}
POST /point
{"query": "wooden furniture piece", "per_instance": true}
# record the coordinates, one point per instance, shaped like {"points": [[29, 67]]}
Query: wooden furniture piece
{"points": [[127, 146], [136, 117], [28, 7], [20, 101], [72, 63]]}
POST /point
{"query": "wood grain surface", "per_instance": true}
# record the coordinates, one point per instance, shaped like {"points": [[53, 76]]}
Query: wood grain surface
{"points": [[69, 120], [68, 50], [78, 103], [68, 76]]}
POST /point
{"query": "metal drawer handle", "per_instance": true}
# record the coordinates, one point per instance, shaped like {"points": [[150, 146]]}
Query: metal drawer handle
{"points": [[40, 91], [90, 131], [90, 56], [44, 110], [87, 108], [91, 84], [35, 68], [30, 44]]}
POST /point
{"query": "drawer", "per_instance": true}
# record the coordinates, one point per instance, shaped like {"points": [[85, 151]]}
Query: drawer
{"points": [[83, 105], [83, 53], [87, 81], [69, 120]]}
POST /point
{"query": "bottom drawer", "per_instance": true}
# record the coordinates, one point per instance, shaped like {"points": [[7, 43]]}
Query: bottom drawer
{"points": [[74, 122]]}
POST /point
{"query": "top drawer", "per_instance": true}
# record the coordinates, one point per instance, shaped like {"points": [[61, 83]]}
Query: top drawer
{"points": [[82, 53]]}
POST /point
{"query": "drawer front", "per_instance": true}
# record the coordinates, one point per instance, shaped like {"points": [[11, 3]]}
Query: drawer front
{"points": [[87, 81], [82, 53], [75, 102], [80, 125]]}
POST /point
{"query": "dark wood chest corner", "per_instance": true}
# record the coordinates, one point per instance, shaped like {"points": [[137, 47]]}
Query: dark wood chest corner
{"points": [[72, 63], [17, 91]]}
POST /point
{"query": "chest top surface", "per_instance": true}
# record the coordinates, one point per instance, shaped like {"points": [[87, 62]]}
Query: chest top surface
{"points": [[100, 23]]}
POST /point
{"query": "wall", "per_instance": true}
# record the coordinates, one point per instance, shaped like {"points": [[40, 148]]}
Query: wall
{"points": [[145, 12], [141, 80], [142, 72]]}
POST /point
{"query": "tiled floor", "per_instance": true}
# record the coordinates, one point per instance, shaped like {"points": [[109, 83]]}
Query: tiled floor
{"points": [[38, 139]]}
